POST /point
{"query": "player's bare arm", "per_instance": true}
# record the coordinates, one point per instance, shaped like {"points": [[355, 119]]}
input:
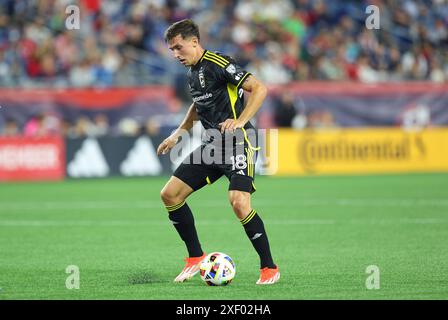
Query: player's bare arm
{"points": [[186, 124], [258, 93]]}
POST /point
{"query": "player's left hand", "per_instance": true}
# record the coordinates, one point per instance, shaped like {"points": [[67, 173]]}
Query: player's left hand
{"points": [[231, 125]]}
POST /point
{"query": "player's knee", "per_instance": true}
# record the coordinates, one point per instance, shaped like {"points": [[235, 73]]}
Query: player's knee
{"points": [[240, 205], [170, 196]]}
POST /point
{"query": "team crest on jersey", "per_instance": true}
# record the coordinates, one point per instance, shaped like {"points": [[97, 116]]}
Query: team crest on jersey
{"points": [[231, 69], [201, 77]]}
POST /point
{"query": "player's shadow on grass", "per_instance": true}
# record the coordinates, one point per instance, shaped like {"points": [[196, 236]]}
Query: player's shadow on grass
{"points": [[144, 277]]}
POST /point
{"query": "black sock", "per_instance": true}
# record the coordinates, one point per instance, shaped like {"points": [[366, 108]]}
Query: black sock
{"points": [[254, 227], [182, 218]]}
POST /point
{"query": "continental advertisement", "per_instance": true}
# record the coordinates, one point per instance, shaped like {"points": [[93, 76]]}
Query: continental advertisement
{"points": [[376, 150]]}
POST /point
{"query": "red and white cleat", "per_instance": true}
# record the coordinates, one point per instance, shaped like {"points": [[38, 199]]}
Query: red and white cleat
{"points": [[269, 276], [192, 265]]}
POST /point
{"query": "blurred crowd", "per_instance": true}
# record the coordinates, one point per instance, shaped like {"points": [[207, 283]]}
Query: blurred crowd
{"points": [[92, 125], [120, 43]]}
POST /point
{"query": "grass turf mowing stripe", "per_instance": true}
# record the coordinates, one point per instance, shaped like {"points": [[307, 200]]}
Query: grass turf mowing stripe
{"points": [[324, 232]]}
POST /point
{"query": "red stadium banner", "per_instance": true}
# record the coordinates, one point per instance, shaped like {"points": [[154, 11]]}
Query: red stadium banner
{"points": [[24, 158]]}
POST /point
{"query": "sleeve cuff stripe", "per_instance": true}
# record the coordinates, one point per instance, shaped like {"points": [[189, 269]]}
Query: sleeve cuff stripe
{"points": [[244, 77]]}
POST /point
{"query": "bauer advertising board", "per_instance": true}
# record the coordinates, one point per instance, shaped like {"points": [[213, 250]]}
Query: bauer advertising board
{"points": [[23, 158]]}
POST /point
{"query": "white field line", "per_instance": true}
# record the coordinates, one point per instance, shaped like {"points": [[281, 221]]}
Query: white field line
{"points": [[90, 204], [112, 223], [288, 222]]}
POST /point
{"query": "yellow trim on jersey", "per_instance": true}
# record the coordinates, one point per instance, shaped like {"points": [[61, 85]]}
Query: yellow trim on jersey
{"points": [[244, 77], [219, 63], [253, 185], [203, 54], [217, 57], [250, 162], [247, 159], [248, 142], [249, 217], [208, 180], [175, 207], [233, 95]]}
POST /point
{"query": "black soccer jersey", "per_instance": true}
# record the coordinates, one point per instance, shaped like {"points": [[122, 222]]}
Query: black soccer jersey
{"points": [[215, 86]]}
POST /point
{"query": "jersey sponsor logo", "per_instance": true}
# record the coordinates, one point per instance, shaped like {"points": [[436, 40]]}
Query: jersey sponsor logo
{"points": [[201, 77], [231, 69], [204, 96]]}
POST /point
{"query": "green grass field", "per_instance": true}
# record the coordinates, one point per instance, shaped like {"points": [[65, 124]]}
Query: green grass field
{"points": [[324, 233]]}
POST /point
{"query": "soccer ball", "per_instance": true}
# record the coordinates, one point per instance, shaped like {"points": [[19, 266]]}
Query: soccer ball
{"points": [[217, 269]]}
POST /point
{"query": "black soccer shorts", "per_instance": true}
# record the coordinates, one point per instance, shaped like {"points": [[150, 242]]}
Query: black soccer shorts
{"points": [[234, 156]]}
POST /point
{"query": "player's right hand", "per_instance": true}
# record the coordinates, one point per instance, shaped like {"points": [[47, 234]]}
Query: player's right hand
{"points": [[167, 145]]}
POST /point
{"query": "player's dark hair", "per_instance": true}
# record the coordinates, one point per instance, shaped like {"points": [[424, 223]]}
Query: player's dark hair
{"points": [[186, 28]]}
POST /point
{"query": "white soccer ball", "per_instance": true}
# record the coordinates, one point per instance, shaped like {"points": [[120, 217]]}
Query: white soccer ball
{"points": [[217, 269]]}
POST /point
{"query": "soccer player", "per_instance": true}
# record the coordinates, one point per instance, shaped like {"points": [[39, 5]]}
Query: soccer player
{"points": [[215, 82]]}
